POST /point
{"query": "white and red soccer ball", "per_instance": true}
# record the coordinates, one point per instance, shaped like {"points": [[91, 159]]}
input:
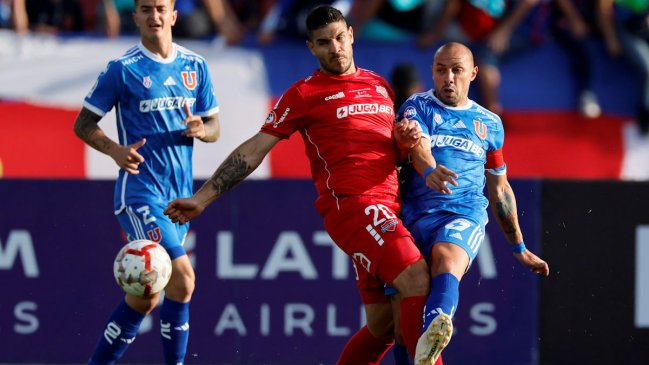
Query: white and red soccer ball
{"points": [[142, 268]]}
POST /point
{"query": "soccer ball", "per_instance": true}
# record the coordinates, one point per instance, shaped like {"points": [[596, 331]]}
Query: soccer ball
{"points": [[142, 268]]}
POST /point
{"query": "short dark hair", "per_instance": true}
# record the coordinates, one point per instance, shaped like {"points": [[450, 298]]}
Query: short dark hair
{"points": [[321, 16]]}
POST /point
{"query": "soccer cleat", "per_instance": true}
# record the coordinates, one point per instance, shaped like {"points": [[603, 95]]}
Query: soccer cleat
{"points": [[434, 340]]}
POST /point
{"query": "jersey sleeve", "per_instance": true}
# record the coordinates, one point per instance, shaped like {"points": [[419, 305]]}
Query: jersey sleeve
{"points": [[104, 94], [206, 103], [495, 163], [411, 109], [287, 116]]}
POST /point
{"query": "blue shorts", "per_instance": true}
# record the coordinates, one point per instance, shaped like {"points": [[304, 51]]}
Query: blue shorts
{"points": [[466, 231], [147, 221], [463, 230]]}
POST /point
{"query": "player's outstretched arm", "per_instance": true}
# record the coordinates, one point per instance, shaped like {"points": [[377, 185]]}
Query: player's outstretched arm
{"points": [[437, 176], [503, 204], [87, 129], [234, 169]]}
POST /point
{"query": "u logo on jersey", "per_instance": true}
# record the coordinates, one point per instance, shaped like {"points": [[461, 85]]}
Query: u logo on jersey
{"points": [[189, 79], [480, 129]]}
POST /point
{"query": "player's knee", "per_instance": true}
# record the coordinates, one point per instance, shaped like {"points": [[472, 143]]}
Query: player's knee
{"points": [[142, 305], [414, 280], [181, 286]]}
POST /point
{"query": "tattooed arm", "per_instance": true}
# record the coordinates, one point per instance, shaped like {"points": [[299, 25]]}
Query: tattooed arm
{"points": [[87, 129], [503, 204], [236, 167]]}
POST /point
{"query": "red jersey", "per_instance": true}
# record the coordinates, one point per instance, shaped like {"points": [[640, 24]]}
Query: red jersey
{"points": [[346, 123]]}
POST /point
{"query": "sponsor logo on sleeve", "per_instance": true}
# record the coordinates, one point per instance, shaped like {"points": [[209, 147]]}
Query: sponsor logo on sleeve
{"points": [[270, 119], [410, 112]]}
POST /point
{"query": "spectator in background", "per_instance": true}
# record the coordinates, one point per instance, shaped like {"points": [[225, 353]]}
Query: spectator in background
{"points": [[13, 15], [205, 18], [196, 19], [54, 16], [625, 29], [574, 24], [391, 20], [287, 17], [117, 17], [405, 81]]}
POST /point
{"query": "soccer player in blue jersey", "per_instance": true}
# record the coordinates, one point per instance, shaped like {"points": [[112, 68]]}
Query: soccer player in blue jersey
{"points": [[164, 99], [444, 206]]}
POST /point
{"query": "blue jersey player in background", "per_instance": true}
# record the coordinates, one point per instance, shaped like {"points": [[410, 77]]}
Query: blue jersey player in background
{"points": [[163, 99], [444, 206]]}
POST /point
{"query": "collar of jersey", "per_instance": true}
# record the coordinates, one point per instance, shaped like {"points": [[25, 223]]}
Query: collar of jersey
{"points": [[322, 74], [157, 58], [468, 105]]}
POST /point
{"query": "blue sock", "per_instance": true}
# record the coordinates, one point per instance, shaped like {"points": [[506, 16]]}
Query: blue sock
{"points": [[444, 296], [174, 330], [401, 356], [120, 331]]}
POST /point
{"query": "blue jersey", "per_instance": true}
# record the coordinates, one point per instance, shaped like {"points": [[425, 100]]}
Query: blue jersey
{"points": [[149, 93], [462, 139]]}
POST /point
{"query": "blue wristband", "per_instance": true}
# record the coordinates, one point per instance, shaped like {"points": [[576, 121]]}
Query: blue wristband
{"points": [[519, 248], [428, 170]]}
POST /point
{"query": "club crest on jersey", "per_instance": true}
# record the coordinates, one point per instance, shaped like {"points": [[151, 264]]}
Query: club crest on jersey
{"points": [[146, 81], [438, 118], [381, 90], [389, 226], [480, 129], [189, 79]]}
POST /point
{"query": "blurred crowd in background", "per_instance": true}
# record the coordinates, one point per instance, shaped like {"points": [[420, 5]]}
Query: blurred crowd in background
{"points": [[494, 29]]}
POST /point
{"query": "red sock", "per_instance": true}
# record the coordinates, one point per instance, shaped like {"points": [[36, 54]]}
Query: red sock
{"points": [[412, 314], [363, 349], [439, 360]]}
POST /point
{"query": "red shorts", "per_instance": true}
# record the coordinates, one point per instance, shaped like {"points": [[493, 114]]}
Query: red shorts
{"points": [[369, 230]]}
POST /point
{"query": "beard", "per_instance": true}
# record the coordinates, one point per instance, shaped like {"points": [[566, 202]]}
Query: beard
{"points": [[337, 66]]}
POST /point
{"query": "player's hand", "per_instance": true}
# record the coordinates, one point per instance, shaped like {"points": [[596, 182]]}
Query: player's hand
{"points": [[182, 210], [128, 158], [407, 134], [535, 263], [195, 127], [440, 178]]}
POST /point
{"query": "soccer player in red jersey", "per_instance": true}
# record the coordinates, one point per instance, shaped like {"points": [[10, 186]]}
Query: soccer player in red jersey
{"points": [[345, 116]]}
